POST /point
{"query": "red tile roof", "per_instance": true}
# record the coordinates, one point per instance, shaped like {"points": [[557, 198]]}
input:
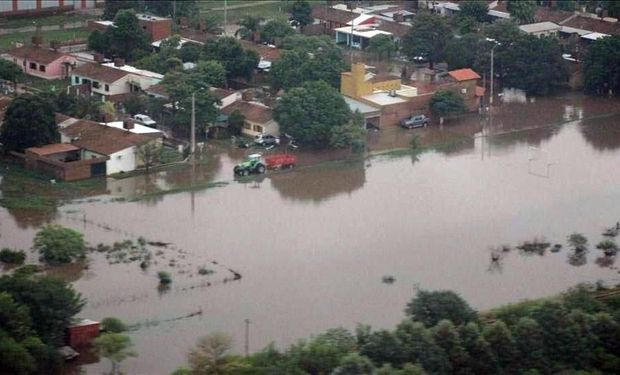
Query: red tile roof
{"points": [[325, 13], [222, 93], [99, 73], [266, 52], [253, 112], [37, 54], [101, 138], [55, 148], [463, 74]]}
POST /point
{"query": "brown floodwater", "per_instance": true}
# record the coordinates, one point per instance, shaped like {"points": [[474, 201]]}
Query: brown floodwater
{"points": [[311, 245]]}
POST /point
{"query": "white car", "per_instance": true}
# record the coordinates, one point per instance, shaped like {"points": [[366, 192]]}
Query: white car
{"points": [[146, 120]]}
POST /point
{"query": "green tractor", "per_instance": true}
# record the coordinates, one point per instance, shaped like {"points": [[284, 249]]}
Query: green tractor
{"points": [[253, 164]]}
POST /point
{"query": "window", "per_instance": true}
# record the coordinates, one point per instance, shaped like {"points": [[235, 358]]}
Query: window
{"points": [[42, 68], [258, 128], [95, 84], [247, 126], [33, 66], [77, 80], [107, 87]]}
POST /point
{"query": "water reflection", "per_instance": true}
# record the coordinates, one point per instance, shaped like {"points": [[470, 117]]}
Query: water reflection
{"points": [[603, 134], [318, 184]]}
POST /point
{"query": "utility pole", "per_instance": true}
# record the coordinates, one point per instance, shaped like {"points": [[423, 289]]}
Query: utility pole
{"points": [[247, 337], [193, 135], [492, 74]]}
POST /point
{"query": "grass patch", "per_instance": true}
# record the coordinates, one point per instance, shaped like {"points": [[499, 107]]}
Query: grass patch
{"points": [[180, 189], [7, 40], [49, 85], [259, 9]]}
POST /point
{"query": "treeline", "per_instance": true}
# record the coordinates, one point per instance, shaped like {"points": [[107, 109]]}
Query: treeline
{"points": [[442, 334]]}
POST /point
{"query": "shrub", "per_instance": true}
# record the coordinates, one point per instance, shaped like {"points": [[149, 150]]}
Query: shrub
{"points": [[12, 256], [113, 325], [431, 307], [164, 278], [58, 245]]}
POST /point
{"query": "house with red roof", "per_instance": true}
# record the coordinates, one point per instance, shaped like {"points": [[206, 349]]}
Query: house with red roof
{"points": [[258, 117], [465, 83], [42, 62]]}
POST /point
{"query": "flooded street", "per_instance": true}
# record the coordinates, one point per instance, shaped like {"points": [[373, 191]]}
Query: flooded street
{"points": [[311, 245]]}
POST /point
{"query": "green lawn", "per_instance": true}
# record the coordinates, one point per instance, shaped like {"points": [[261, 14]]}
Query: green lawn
{"points": [[258, 8], [6, 41], [53, 85]]}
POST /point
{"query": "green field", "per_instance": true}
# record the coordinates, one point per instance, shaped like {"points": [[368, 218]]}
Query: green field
{"points": [[6, 40]]}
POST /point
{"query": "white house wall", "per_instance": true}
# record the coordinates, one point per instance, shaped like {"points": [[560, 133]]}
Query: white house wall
{"points": [[122, 161]]}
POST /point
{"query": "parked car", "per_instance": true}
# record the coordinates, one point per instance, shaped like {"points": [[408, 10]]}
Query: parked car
{"points": [[416, 121], [266, 140], [145, 120]]}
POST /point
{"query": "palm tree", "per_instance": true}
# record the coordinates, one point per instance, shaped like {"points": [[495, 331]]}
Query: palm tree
{"points": [[250, 27]]}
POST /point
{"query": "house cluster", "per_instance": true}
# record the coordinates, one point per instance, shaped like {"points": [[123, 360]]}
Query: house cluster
{"points": [[385, 100], [355, 27]]}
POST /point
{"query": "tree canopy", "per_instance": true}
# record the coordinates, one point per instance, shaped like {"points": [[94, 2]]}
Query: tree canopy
{"points": [[28, 122], [238, 62], [522, 10], [307, 59], [311, 112], [427, 38], [301, 12], [476, 9], [126, 40], [601, 67], [276, 30], [9, 71], [59, 245], [429, 307], [382, 46]]}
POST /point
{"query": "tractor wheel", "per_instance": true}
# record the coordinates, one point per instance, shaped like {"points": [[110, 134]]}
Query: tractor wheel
{"points": [[244, 172], [237, 171], [260, 168]]}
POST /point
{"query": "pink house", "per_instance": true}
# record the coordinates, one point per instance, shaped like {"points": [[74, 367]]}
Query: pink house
{"points": [[42, 62]]}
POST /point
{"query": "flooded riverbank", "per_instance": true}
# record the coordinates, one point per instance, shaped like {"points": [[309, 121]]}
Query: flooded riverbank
{"points": [[313, 244]]}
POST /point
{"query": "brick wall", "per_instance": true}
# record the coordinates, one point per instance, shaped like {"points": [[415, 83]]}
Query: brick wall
{"points": [[157, 29], [391, 115]]}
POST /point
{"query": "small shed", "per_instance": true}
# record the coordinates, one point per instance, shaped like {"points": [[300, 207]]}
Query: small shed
{"points": [[82, 333]]}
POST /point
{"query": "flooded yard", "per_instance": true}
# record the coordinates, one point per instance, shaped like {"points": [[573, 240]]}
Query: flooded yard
{"points": [[301, 251]]}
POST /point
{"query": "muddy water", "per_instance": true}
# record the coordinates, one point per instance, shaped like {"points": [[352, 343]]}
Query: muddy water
{"points": [[312, 245]]}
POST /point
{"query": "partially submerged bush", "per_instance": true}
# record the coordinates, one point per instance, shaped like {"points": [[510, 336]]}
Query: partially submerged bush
{"points": [[59, 245], [578, 241], [164, 278], [609, 247], [9, 256], [113, 325]]}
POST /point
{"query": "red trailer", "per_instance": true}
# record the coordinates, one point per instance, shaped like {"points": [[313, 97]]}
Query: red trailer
{"points": [[279, 161]]}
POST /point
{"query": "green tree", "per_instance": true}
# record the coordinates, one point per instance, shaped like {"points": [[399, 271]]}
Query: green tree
{"points": [[301, 12], [354, 364], [447, 103], [113, 325], [276, 30], [209, 73], [532, 64], [167, 8], [522, 10], [427, 38], [210, 356], [351, 134], [567, 5], [15, 359], [601, 67], [249, 27], [447, 338], [239, 63], [59, 245], [383, 347], [309, 113], [115, 347], [149, 154], [28, 122], [382, 46], [476, 9], [502, 344], [190, 52], [481, 358], [126, 39], [9, 71], [530, 344], [467, 52], [307, 59], [51, 303], [111, 7], [324, 353], [419, 346], [430, 307], [235, 122], [98, 41], [9, 256]]}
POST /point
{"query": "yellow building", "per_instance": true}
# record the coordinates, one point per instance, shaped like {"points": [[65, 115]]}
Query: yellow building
{"points": [[357, 83]]}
